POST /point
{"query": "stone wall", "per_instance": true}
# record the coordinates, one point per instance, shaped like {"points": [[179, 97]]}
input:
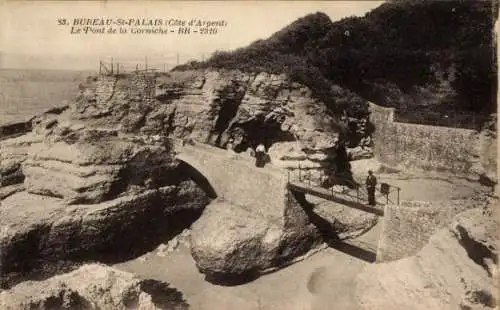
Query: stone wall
{"points": [[407, 227], [143, 86], [105, 88], [140, 86], [433, 148]]}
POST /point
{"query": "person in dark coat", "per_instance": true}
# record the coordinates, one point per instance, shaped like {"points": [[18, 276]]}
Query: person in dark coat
{"points": [[371, 183]]}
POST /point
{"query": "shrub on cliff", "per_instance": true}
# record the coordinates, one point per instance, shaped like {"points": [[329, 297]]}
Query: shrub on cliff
{"points": [[413, 47]]}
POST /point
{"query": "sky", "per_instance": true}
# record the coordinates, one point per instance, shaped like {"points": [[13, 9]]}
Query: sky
{"points": [[30, 36]]}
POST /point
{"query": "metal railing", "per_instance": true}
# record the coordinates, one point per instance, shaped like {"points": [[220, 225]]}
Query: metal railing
{"points": [[338, 185]]}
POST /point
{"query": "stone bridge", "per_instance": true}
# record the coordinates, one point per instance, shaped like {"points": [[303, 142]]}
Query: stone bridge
{"points": [[268, 192], [234, 178]]}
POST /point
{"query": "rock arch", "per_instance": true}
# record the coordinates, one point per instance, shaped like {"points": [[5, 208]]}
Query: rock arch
{"points": [[194, 169]]}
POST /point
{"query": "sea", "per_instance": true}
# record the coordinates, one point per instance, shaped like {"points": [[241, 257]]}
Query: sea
{"points": [[25, 93]]}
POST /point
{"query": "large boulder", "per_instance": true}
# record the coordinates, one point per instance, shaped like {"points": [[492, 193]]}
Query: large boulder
{"points": [[457, 269], [232, 242], [93, 287]]}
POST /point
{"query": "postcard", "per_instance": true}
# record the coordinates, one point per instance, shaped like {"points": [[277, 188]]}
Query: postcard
{"points": [[248, 155]]}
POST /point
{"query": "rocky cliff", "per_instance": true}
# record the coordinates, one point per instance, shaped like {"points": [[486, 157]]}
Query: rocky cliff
{"points": [[90, 193], [213, 107], [218, 106]]}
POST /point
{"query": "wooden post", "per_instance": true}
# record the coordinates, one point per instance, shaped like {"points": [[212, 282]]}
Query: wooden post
{"points": [[398, 195], [117, 68], [100, 66], [112, 66]]}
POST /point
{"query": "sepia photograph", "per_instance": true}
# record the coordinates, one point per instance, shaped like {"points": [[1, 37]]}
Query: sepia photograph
{"points": [[249, 155]]}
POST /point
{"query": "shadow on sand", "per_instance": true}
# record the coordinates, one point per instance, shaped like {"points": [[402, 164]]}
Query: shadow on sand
{"points": [[329, 234]]}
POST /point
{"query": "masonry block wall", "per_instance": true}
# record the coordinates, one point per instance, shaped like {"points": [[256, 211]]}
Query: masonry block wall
{"points": [[138, 86], [434, 148], [407, 227], [105, 88], [142, 86]]}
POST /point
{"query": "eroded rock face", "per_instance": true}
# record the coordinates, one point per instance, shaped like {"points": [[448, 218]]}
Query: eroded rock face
{"points": [[86, 165], [345, 222], [91, 193], [213, 107], [357, 153], [93, 287], [13, 153], [457, 269], [40, 230], [314, 164]]}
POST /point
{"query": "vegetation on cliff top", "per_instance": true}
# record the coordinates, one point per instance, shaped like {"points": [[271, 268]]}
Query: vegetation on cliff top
{"points": [[434, 54]]}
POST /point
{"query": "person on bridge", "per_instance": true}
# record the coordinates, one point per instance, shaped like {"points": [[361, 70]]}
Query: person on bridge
{"points": [[371, 183], [230, 145], [230, 149], [260, 156]]}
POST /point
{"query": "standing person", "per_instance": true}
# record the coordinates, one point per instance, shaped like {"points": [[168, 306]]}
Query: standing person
{"points": [[230, 149], [260, 155], [371, 182], [230, 145]]}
